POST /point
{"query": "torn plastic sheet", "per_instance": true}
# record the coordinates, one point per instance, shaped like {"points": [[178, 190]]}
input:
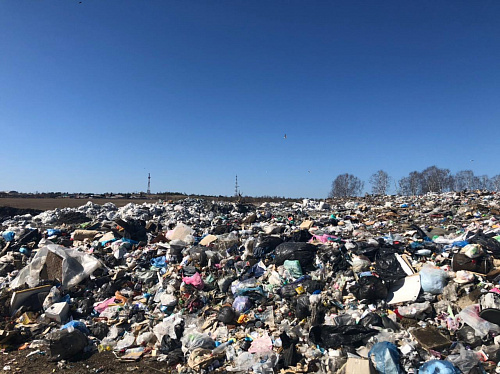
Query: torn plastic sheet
{"points": [[76, 266]]}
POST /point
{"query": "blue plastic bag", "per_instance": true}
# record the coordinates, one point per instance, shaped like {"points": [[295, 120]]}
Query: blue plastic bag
{"points": [[159, 262], [432, 280], [51, 232], [385, 358], [8, 236], [77, 325], [438, 367]]}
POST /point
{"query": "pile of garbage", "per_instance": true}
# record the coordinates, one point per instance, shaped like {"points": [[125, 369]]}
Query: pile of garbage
{"points": [[389, 284]]}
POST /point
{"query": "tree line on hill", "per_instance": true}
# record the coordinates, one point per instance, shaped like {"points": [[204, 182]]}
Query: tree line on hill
{"points": [[431, 179]]}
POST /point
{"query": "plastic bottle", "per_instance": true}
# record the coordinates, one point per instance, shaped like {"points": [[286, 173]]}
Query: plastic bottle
{"points": [[222, 347]]}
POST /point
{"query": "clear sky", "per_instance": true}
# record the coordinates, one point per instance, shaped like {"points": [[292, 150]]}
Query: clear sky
{"points": [[96, 94]]}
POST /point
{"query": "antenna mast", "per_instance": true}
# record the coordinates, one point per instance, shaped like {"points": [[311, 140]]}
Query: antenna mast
{"points": [[236, 190], [149, 183]]}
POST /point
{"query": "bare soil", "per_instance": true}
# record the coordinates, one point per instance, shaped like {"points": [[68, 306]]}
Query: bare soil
{"points": [[105, 362]]}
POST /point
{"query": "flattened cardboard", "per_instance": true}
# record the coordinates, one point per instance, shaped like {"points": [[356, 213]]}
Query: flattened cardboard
{"points": [[19, 297], [404, 290], [207, 240], [306, 225], [359, 366]]}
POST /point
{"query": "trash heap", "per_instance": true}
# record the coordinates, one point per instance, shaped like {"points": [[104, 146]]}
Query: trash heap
{"points": [[387, 284]]}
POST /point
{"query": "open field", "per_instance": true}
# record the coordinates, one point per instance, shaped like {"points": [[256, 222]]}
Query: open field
{"points": [[52, 203], [48, 203]]}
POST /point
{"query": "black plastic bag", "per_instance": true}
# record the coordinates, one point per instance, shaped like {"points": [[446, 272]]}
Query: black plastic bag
{"points": [[65, 344], [288, 290], [134, 229], [198, 255], [387, 265], [310, 285], [265, 245], [371, 319], [304, 252], [302, 309], [302, 236], [336, 336], [289, 355], [168, 344], [227, 315], [390, 324], [99, 330], [420, 233], [369, 288]]}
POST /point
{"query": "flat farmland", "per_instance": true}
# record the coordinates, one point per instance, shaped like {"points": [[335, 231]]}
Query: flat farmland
{"points": [[53, 203]]}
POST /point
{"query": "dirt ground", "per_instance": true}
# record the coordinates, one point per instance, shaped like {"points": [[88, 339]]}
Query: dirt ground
{"points": [[106, 362]]}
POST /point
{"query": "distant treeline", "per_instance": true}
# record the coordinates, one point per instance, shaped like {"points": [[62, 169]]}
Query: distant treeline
{"points": [[431, 179]]}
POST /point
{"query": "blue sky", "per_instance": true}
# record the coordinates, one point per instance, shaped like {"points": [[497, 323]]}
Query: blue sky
{"points": [[94, 95]]}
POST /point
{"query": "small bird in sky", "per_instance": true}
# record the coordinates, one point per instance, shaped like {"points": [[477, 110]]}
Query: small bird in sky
{"points": [[284, 137]]}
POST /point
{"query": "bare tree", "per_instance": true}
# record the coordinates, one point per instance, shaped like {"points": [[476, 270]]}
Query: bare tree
{"points": [[435, 179], [411, 185], [465, 180], [484, 183], [346, 185], [495, 183], [380, 182]]}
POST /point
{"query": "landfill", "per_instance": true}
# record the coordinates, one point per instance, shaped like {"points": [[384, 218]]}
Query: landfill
{"points": [[373, 284]]}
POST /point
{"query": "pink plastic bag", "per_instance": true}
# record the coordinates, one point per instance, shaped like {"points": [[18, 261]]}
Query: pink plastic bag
{"points": [[260, 345], [194, 281], [101, 307]]}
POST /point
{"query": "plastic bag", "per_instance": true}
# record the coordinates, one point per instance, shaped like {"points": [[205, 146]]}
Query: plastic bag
{"points": [[65, 344], [258, 363], [260, 345], [470, 315], [387, 265], [385, 358], [335, 336], [237, 286], [145, 338], [303, 252], [438, 367], [371, 319], [265, 245], [76, 266], [242, 303], [171, 326], [463, 359], [432, 280], [472, 250], [302, 307], [226, 315], [193, 339], [293, 267], [127, 340], [369, 288], [488, 244], [195, 281], [8, 236], [180, 232], [415, 309], [53, 297], [360, 264], [79, 325]]}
